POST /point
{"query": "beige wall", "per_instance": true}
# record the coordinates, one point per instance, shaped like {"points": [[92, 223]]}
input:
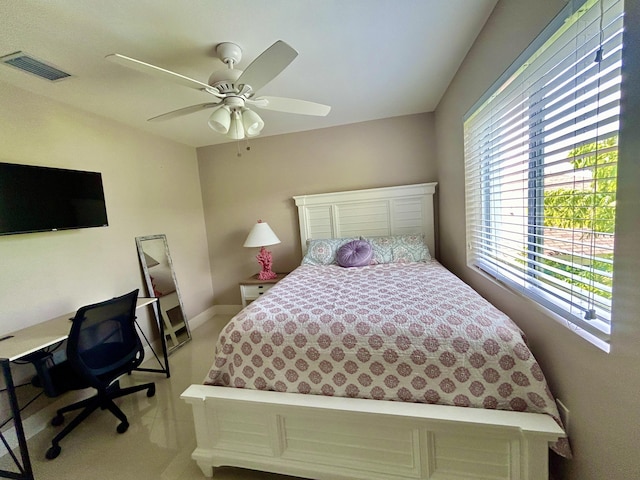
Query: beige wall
{"points": [[151, 186], [601, 390], [237, 191]]}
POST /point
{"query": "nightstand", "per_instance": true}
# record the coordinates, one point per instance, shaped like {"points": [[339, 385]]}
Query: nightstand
{"points": [[252, 288]]}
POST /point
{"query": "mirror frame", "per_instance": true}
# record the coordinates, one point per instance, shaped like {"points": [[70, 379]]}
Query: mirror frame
{"points": [[151, 292]]}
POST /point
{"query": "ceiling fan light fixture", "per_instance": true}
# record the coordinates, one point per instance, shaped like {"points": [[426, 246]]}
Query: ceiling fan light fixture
{"points": [[220, 120], [236, 129], [252, 122]]}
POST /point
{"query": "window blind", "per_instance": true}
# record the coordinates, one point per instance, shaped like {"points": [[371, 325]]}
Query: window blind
{"points": [[541, 167]]}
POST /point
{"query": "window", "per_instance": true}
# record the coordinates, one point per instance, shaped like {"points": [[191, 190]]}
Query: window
{"points": [[541, 167]]}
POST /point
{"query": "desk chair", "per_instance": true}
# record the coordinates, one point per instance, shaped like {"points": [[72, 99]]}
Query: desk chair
{"points": [[102, 346]]}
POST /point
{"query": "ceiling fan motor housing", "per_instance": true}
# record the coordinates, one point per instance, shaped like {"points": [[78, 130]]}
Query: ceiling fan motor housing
{"points": [[224, 80]]}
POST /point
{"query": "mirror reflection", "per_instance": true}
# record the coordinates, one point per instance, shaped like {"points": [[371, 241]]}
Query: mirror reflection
{"points": [[160, 278]]}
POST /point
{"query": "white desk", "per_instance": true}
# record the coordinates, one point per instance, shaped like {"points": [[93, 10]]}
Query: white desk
{"points": [[21, 343]]}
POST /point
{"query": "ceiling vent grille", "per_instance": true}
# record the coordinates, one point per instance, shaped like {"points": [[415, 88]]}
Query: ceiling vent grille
{"points": [[29, 64]]}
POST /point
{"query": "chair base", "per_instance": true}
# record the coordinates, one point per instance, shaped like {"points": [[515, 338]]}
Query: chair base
{"points": [[89, 405]]}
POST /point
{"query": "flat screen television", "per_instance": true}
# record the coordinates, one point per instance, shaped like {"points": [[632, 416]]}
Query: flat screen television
{"points": [[40, 199]]}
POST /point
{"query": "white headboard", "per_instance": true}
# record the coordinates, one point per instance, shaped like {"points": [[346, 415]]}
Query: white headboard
{"points": [[407, 209]]}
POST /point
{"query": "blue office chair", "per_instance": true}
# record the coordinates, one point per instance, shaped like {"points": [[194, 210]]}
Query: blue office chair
{"points": [[102, 346]]}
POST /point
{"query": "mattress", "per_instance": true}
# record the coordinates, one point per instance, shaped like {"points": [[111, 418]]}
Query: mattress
{"points": [[409, 332]]}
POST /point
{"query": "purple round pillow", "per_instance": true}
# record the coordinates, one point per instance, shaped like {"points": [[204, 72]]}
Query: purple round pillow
{"points": [[356, 253]]}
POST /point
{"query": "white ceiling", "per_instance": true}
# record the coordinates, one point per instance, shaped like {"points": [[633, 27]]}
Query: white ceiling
{"points": [[368, 59]]}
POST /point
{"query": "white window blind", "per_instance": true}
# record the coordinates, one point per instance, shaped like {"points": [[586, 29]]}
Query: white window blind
{"points": [[541, 167]]}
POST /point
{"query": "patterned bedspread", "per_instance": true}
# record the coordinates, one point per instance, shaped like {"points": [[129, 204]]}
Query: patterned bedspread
{"points": [[410, 332]]}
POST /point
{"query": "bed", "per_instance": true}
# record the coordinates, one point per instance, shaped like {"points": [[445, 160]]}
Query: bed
{"points": [[365, 372]]}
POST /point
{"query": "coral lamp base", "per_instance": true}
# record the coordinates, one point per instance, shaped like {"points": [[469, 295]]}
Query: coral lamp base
{"points": [[265, 260]]}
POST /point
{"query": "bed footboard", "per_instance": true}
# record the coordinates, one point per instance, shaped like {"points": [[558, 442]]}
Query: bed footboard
{"points": [[345, 438]]}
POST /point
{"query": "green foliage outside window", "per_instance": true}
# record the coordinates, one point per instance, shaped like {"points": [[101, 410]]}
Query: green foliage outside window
{"points": [[587, 210], [592, 209], [586, 280]]}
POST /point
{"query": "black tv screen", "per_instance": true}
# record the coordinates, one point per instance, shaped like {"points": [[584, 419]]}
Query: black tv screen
{"points": [[39, 199]]}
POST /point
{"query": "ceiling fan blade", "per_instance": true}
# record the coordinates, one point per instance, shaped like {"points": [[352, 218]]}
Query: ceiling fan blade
{"points": [[160, 72], [267, 66], [183, 111], [291, 105]]}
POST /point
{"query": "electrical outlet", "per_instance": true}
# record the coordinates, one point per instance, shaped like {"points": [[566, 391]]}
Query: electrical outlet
{"points": [[564, 414]]}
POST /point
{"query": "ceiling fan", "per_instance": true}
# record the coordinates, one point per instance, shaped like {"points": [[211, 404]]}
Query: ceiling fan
{"points": [[234, 90]]}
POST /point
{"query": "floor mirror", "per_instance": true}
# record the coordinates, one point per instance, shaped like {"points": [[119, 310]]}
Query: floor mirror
{"points": [[160, 278]]}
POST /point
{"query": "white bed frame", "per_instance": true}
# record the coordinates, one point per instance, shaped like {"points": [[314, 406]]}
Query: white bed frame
{"points": [[331, 438]]}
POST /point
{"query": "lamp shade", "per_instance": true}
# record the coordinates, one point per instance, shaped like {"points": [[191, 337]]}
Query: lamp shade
{"points": [[220, 120], [252, 122], [236, 129], [261, 235]]}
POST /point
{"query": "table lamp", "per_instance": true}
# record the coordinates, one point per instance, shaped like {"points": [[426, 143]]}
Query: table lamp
{"points": [[261, 236]]}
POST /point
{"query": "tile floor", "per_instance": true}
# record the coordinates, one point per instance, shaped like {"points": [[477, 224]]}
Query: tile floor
{"points": [[160, 438]]}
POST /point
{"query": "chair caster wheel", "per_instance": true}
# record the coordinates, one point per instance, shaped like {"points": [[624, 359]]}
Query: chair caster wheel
{"points": [[151, 391], [53, 452], [57, 420], [123, 427]]}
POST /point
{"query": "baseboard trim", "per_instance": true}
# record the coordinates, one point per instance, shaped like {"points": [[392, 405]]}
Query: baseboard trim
{"points": [[227, 309]]}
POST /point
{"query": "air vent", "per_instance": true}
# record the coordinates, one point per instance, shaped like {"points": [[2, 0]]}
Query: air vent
{"points": [[29, 64]]}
